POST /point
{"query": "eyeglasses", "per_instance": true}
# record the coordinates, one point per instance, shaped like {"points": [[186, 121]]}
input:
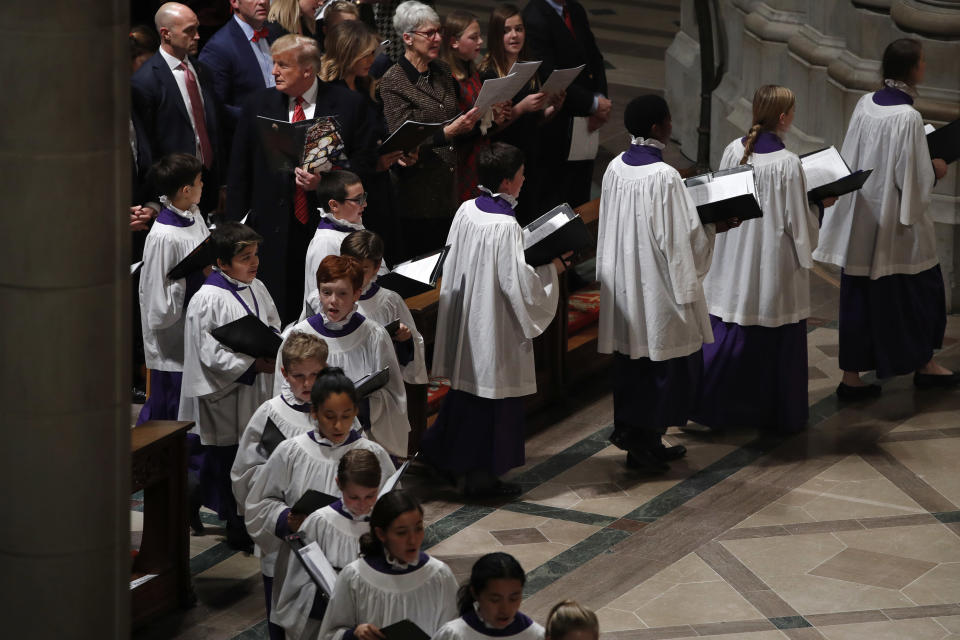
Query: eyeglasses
{"points": [[429, 35], [360, 200]]}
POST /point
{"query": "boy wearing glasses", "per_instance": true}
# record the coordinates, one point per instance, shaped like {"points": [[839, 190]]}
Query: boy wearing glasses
{"points": [[342, 201]]}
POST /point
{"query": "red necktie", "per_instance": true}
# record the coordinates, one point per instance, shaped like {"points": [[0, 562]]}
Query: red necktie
{"points": [[299, 197], [567, 21], [261, 33], [199, 121]]}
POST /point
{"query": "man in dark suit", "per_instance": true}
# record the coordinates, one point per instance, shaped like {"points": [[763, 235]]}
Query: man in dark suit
{"points": [[283, 205], [558, 33], [173, 98], [238, 56]]}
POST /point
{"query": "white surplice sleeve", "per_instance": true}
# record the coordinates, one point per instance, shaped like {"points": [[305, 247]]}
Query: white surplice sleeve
{"points": [[532, 293], [267, 497], [687, 246], [802, 218], [388, 405], [914, 171], [161, 298]]}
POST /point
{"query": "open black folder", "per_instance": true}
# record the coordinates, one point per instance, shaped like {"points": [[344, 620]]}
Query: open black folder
{"points": [[200, 257], [410, 136], [372, 381], [319, 569], [404, 630], [249, 335], [271, 437], [310, 501], [829, 176], [726, 194], [944, 142], [553, 234], [413, 277], [314, 145]]}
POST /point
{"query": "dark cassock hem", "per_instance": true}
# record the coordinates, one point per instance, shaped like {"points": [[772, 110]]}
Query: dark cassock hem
{"points": [[164, 400], [649, 395], [476, 434], [276, 631], [216, 491], [891, 325], [755, 377]]}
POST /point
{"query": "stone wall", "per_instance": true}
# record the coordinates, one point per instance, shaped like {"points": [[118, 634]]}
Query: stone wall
{"points": [[828, 52]]}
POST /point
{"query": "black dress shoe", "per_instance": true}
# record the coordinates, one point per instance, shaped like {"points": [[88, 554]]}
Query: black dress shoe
{"points": [[138, 396], [934, 381], [239, 540], [669, 454], [644, 461], [852, 393], [497, 489], [196, 524]]}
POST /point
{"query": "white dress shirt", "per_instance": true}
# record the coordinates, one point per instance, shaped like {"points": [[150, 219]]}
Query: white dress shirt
{"points": [[181, 79], [309, 104]]}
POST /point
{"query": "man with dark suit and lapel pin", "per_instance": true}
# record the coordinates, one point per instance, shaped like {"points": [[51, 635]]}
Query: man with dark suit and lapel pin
{"points": [[173, 98], [558, 33], [282, 206], [238, 56]]}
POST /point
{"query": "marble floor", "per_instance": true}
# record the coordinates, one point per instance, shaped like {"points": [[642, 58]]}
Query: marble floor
{"points": [[849, 530]]}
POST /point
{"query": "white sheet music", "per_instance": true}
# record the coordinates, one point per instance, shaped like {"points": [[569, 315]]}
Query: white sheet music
{"points": [[392, 480], [497, 90], [135, 266], [719, 188], [823, 167], [419, 270], [584, 144], [928, 129], [560, 79], [531, 238], [325, 571]]}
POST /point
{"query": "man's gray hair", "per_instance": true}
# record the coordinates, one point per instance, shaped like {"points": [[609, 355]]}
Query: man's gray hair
{"points": [[412, 14], [308, 53]]}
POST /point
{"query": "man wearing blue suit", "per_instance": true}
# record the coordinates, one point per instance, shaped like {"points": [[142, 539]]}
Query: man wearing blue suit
{"points": [[238, 56], [173, 98]]}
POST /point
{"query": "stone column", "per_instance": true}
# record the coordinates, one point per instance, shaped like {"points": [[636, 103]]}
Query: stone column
{"points": [[64, 338], [829, 54]]}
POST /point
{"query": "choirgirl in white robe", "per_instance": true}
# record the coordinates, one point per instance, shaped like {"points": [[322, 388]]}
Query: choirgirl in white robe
{"points": [[652, 255], [361, 347], [174, 234], [470, 627], [892, 300], [758, 295], [492, 305]]}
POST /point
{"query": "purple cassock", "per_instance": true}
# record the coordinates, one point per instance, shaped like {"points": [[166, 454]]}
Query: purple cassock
{"points": [[651, 395], [755, 376], [892, 324]]}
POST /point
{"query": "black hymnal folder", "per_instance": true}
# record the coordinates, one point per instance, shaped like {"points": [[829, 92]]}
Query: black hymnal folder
{"points": [[404, 630], [249, 335], [726, 194], [372, 381], [320, 570], [553, 234], [271, 437], [944, 142], [311, 501], [313, 145], [828, 175], [413, 277], [200, 257], [392, 327], [410, 136]]}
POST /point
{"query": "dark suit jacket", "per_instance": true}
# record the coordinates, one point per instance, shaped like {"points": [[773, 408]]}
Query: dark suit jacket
{"points": [[231, 61], [253, 186], [162, 112]]}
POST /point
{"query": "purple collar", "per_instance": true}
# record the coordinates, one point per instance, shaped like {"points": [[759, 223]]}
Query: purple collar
{"points": [[379, 563], [353, 437], [168, 217], [639, 155], [520, 622], [216, 279], [371, 291], [338, 507], [494, 205], [327, 223], [317, 323], [766, 142], [302, 408], [889, 97]]}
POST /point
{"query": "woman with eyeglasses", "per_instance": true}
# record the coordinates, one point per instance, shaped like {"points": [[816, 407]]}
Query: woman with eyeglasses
{"points": [[421, 88]]}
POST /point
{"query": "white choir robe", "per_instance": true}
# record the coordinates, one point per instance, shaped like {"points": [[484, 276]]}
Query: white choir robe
{"points": [[652, 255], [162, 299], [211, 395], [326, 241], [361, 347], [427, 597], [760, 273], [383, 306], [884, 228], [307, 461], [251, 456], [459, 629], [492, 305], [338, 536]]}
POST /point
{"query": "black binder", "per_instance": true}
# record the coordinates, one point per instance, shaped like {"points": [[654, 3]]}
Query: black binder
{"points": [[572, 236], [742, 207], [250, 336], [853, 181], [310, 501], [372, 381], [944, 143], [271, 437], [410, 136], [408, 287], [202, 256], [392, 327], [404, 630]]}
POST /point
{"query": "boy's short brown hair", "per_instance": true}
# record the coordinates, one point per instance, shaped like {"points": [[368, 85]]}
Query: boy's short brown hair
{"points": [[301, 346], [363, 245]]}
